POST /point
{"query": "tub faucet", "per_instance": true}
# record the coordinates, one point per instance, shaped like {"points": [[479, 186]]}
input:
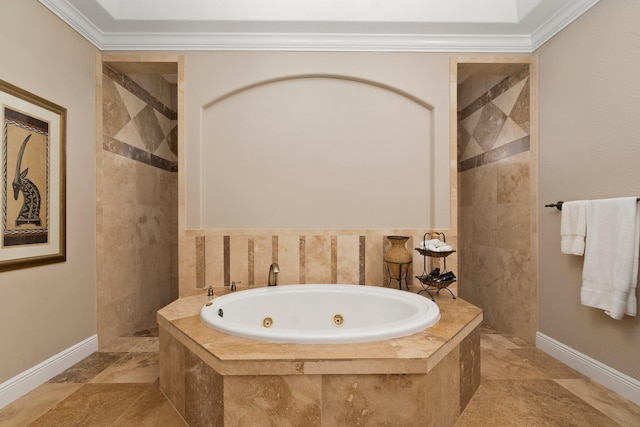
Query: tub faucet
{"points": [[274, 269], [233, 286]]}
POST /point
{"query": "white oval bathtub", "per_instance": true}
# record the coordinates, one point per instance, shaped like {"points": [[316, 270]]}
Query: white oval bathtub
{"points": [[320, 314]]}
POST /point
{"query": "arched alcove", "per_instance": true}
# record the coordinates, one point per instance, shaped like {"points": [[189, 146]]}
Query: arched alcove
{"points": [[316, 151]]}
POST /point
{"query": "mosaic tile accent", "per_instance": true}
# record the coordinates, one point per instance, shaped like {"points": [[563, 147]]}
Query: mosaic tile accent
{"points": [[227, 260], [200, 261], [274, 248], [493, 93], [133, 87], [251, 260], [115, 114], [520, 112], [334, 259], [137, 125], [362, 260], [112, 145], [303, 259], [502, 152], [130, 152], [496, 125], [489, 126]]}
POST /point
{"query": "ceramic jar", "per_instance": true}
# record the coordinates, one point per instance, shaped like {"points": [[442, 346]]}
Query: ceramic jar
{"points": [[397, 255]]}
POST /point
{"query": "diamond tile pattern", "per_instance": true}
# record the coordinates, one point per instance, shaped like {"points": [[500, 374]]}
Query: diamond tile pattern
{"points": [[489, 126], [136, 118], [498, 117]]}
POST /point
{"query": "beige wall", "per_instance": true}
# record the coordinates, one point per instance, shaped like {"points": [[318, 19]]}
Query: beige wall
{"points": [[589, 149], [311, 248], [212, 75], [317, 151], [45, 310]]}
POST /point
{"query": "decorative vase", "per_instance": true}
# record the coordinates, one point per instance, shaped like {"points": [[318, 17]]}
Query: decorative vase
{"points": [[396, 256]]}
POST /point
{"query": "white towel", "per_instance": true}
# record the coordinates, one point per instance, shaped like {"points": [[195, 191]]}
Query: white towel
{"points": [[610, 271], [573, 226], [431, 243], [443, 248]]}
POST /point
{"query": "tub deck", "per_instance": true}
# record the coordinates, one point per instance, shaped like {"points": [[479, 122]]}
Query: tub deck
{"points": [[423, 379]]}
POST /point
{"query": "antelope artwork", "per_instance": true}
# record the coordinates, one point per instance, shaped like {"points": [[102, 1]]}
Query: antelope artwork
{"points": [[30, 211]]}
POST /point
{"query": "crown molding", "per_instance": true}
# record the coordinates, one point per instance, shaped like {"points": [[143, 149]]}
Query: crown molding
{"points": [[316, 42], [559, 21], [154, 41]]}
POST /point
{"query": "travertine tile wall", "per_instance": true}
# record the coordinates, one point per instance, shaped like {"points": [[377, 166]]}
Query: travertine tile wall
{"points": [[137, 213], [219, 257], [497, 271], [202, 396], [213, 378]]}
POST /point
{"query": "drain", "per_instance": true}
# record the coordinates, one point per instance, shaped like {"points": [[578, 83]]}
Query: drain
{"points": [[338, 320], [267, 322]]}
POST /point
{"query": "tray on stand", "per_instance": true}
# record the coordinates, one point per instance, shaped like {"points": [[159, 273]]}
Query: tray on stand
{"points": [[429, 281]]}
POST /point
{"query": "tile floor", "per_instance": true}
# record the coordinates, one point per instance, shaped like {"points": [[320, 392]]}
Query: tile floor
{"points": [[521, 386]]}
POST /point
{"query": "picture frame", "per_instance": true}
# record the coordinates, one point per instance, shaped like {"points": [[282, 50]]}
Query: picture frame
{"points": [[33, 175]]}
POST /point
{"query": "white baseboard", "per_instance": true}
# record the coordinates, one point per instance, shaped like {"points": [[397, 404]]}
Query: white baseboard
{"points": [[622, 384], [26, 381]]}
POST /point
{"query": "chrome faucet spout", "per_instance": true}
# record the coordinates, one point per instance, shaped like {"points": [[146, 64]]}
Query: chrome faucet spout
{"points": [[274, 269]]}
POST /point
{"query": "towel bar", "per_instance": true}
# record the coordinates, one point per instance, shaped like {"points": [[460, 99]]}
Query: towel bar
{"points": [[558, 205]]}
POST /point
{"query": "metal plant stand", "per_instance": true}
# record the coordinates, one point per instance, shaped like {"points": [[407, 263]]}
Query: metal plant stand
{"points": [[403, 271]]}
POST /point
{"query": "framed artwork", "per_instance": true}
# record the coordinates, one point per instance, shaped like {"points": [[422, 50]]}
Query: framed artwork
{"points": [[33, 229]]}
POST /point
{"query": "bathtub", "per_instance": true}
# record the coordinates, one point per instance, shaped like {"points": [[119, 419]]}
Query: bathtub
{"points": [[320, 314]]}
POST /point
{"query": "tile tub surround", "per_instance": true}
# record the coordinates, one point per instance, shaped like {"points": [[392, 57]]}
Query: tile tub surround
{"points": [[423, 379], [218, 257]]}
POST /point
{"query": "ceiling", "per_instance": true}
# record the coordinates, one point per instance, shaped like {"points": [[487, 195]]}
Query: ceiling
{"points": [[312, 25]]}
